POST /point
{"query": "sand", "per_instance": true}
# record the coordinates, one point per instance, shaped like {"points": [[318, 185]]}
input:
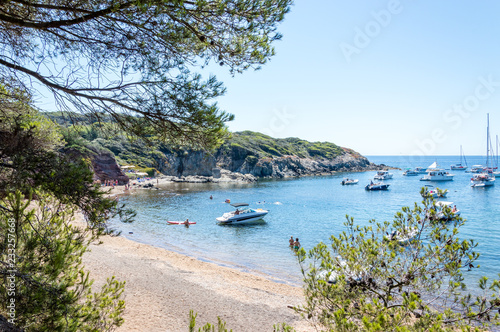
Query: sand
{"points": [[163, 286]]}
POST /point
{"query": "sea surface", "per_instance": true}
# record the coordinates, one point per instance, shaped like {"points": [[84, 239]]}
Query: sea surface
{"points": [[310, 208]]}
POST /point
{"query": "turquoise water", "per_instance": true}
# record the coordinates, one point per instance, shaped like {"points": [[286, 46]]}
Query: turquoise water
{"points": [[311, 208]]}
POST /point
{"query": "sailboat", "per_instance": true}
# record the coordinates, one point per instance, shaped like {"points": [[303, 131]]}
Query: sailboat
{"points": [[486, 177], [460, 166], [496, 159]]}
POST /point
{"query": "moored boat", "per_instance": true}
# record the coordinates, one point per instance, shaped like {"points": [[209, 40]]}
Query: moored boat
{"points": [[383, 175], [476, 168], [460, 166], [443, 211], [243, 216], [410, 172], [436, 193], [421, 170], [404, 236], [484, 179], [377, 186], [434, 173], [347, 181]]}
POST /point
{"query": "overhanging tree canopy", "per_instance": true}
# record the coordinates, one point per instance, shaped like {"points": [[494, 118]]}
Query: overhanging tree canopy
{"points": [[134, 58]]}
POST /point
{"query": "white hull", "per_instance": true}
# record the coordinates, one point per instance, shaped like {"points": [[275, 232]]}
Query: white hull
{"points": [[437, 178], [437, 175], [377, 186], [421, 170], [488, 183], [383, 175], [244, 218]]}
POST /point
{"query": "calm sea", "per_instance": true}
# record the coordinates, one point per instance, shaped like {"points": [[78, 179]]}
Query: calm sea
{"points": [[310, 208]]}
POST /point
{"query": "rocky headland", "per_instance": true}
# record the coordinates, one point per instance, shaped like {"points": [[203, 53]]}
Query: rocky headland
{"points": [[246, 157]]}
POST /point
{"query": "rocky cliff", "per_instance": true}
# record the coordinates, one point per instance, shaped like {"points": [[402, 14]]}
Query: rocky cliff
{"points": [[261, 156], [105, 168]]}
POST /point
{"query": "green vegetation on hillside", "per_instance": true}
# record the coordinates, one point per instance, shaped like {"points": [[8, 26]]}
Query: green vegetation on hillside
{"points": [[266, 146], [91, 135]]}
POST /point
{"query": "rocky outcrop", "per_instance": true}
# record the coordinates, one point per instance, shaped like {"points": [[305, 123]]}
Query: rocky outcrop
{"points": [[106, 168], [187, 163], [239, 164], [293, 166]]}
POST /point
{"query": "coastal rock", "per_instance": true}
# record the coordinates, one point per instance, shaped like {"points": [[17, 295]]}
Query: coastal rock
{"points": [[197, 167], [181, 163], [105, 168]]}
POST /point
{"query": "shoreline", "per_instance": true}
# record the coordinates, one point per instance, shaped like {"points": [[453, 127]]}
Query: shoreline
{"points": [[163, 286]]}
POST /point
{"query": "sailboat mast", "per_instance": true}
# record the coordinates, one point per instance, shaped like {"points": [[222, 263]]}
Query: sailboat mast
{"points": [[496, 159], [488, 140]]}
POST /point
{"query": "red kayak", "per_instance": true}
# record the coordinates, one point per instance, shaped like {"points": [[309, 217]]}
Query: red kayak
{"points": [[180, 222]]}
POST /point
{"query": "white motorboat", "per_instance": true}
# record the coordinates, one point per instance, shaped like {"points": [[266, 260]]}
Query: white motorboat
{"points": [[241, 216], [434, 173], [383, 175], [421, 170], [377, 186], [444, 211], [342, 268], [349, 181], [405, 235], [476, 168], [410, 172], [436, 193], [484, 179]]}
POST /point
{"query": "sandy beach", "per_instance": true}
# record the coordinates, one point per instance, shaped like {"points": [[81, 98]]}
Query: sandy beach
{"points": [[162, 287]]}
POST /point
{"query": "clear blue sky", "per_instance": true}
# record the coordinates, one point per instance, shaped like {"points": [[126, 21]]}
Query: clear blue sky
{"points": [[381, 77]]}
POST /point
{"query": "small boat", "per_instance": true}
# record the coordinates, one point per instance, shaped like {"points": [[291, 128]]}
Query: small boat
{"points": [[445, 211], [349, 181], [421, 170], [484, 179], [460, 166], [332, 277], [180, 222], [476, 168], [410, 172], [435, 193], [383, 175], [434, 173], [243, 216], [405, 236], [377, 186]]}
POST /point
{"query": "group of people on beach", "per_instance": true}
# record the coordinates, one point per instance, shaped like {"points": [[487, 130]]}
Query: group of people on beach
{"points": [[109, 183], [295, 244]]}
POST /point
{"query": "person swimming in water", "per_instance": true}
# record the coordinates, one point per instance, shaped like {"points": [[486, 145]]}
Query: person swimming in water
{"points": [[296, 244]]}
